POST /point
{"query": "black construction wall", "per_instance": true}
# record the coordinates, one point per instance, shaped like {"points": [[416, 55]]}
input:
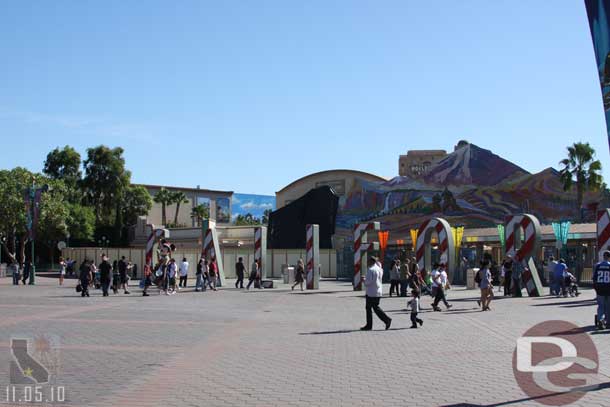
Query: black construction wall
{"points": [[287, 225]]}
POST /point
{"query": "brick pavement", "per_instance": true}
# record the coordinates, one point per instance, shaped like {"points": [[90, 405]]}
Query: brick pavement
{"points": [[280, 348]]}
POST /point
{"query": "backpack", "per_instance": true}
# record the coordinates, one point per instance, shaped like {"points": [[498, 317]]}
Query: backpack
{"points": [[477, 277]]}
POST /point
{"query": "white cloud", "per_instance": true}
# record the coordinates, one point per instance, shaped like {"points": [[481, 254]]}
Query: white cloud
{"points": [[250, 205]]}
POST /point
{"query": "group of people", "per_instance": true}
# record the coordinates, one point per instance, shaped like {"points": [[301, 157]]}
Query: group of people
{"points": [[435, 283], [562, 282], [20, 272], [102, 275]]}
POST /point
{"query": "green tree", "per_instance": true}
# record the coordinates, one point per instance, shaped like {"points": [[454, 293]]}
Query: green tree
{"points": [[65, 165], [163, 197], [247, 220], [200, 212], [266, 216], [582, 170], [105, 180], [178, 198], [53, 215], [136, 202], [81, 222]]}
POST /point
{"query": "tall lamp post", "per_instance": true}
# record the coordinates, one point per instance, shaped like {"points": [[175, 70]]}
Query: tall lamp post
{"points": [[32, 206], [2, 243]]}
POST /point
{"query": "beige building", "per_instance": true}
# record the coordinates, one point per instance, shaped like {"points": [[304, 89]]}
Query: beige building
{"points": [[218, 201], [417, 163], [341, 181]]}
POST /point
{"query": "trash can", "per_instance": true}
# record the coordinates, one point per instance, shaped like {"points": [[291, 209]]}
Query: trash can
{"points": [[470, 283]]}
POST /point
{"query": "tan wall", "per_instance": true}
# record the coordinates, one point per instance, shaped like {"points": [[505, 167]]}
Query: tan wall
{"points": [[300, 188], [275, 258], [422, 160]]}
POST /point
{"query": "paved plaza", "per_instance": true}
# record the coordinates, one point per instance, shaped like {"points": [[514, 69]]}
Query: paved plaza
{"points": [[278, 347]]}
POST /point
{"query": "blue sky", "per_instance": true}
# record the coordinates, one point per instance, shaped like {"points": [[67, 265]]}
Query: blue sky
{"points": [[249, 96]]}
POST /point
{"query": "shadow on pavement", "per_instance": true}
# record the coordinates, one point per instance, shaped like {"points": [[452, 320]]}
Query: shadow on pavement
{"points": [[347, 331], [602, 386], [568, 304]]}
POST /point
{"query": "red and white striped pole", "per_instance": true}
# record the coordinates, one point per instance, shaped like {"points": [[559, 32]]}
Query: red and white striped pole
{"points": [[603, 233], [312, 248], [153, 236], [211, 249], [361, 248], [524, 253], [445, 244]]}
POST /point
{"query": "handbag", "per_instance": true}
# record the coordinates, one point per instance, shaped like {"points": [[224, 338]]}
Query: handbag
{"points": [[79, 288]]}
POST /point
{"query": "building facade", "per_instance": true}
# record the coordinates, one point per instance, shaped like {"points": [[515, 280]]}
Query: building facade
{"points": [[219, 202], [417, 163], [341, 181]]}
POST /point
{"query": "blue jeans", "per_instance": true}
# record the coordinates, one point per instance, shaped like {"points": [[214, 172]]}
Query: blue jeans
{"points": [[199, 283], [15, 278], [603, 308]]}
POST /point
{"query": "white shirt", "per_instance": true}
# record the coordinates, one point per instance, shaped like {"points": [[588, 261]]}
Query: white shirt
{"points": [[184, 268], [444, 278], [374, 275], [435, 277]]}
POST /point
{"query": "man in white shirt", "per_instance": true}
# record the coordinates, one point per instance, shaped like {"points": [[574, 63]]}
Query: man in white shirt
{"points": [[374, 290], [441, 283], [184, 273]]}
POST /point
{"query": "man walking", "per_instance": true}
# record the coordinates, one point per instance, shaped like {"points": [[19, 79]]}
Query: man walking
{"points": [[441, 281], [105, 274], [374, 291], [184, 273], [239, 272], [601, 284], [123, 274]]}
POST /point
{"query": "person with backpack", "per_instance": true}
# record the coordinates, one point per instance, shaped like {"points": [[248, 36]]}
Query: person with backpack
{"points": [[601, 284], [85, 279]]}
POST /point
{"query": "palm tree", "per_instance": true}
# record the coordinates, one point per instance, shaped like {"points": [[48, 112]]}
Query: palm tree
{"points": [[581, 168], [178, 198], [200, 212], [164, 197]]}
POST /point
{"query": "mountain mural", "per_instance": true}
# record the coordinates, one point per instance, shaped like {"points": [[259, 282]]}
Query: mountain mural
{"points": [[471, 186]]}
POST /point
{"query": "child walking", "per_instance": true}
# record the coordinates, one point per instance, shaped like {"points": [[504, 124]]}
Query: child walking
{"points": [[415, 310]]}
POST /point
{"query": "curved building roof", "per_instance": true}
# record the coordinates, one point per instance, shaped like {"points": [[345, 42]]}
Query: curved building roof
{"points": [[354, 173]]}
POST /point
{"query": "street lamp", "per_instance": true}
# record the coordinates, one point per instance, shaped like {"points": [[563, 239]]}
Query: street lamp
{"points": [[32, 204], [104, 242], [2, 243]]}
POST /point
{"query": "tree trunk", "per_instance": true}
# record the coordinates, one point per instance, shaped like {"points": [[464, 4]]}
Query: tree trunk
{"points": [[176, 215], [579, 198], [24, 240], [163, 213]]}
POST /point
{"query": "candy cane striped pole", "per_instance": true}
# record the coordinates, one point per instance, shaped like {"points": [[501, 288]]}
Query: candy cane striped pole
{"points": [[445, 244], [603, 233], [524, 253], [312, 248], [361, 249], [211, 249], [260, 249], [154, 235]]}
